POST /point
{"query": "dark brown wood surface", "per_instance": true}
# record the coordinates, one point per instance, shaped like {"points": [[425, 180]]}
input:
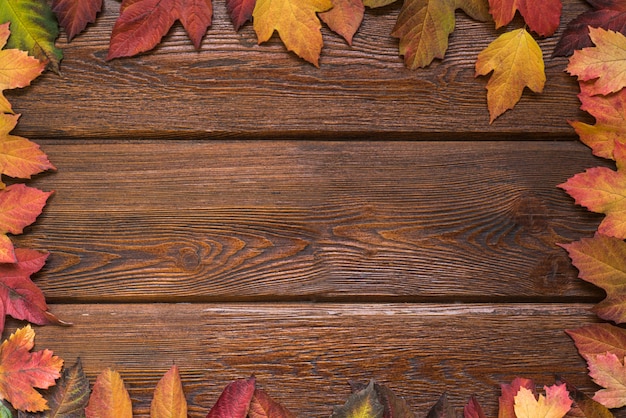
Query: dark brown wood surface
{"points": [[238, 211]]}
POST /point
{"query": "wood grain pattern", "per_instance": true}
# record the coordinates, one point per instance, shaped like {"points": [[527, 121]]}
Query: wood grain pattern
{"points": [[305, 220], [236, 88], [305, 354]]}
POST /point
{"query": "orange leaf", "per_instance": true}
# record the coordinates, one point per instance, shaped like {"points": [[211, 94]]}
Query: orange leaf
{"points": [[555, 404], [19, 207], [517, 62], [344, 18], [169, 400], [542, 17], [75, 15], [296, 22], [605, 63], [423, 27], [17, 69], [609, 372], [109, 398], [22, 371], [596, 339], [19, 157], [603, 190], [263, 406]]}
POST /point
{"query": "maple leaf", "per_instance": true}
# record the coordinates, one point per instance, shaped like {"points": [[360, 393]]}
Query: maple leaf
{"points": [[296, 22], [597, 339], [143, 23], [109, 398], [584, 406], [19, 207], [603, 190], [22, 371], [542, 17], [609, 372], [17, 69], [19, 157], [601, 260], [68, 398], [605, 62], [555, 404], [263, 406], [169, 400], [607, 14], [345, 17], [234, 401], [361, 404], [517, 62], [423, 27], [507, 397], [610, 114], [240, 11], [473, 409], [34, 28], [74, 15]]}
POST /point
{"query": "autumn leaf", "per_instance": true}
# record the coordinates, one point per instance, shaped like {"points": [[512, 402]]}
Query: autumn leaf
{"points": [[597, 339], [17, 69], [20, 205], [296, 22], [34, 29], [423, 27], [507, 397], [584, 406], [605, 62], [607, 14], [240, 11], [394, 406], [610, 127], [234, 402], [23, 371], [603, 190], [517, 62], [68, 398], [361, 404], [473, 409], [555, 404], [143, 23], [109, 398], [608, 371], [542, 17], [377, 3], [74, 15], [169, 400], [263, 406], [442, 409], [344, 18]]}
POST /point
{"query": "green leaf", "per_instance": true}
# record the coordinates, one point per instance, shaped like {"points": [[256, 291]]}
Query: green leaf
{"points": [[34, 29], [362, 404]]}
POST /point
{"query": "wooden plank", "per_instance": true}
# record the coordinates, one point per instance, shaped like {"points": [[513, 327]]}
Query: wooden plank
{"points": [[236, 88], [268, 220], [305, 354]]}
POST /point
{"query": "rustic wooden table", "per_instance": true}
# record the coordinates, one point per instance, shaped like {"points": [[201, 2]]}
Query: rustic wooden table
{"points": [[238, 211]]}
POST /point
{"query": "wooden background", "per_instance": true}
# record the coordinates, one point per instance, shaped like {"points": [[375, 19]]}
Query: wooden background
{"points": [[238, 211]]}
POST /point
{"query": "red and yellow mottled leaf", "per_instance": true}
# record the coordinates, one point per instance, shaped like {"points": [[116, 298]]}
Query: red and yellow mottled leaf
{"points": [[608, 371], [605, 62], [74, 15], [109, 398], [345, 17], [597, 339], [542, 17], [240, 11], [234, 402], [517, 62], [423, 27], [296, 22], [263, 406], [601, 260], [603, 190], [507, 397], [555, 404], [17, 69], [361, 404], [143, 23], [584, 406], [169, 400], [22, 371], [19, 157]]}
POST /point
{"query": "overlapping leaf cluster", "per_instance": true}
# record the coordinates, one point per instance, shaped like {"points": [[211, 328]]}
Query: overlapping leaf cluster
{"points": [[601, 260]]}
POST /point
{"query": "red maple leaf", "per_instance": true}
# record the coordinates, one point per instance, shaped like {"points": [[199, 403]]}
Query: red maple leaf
{"points": [[142, 24], [74, 15], [607, 14], [240, 11], [542, 17]]}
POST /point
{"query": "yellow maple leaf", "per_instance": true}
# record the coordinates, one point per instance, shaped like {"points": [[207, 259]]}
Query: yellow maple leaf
{"points": [[555, 404], [296, 22], [517, 62]]}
